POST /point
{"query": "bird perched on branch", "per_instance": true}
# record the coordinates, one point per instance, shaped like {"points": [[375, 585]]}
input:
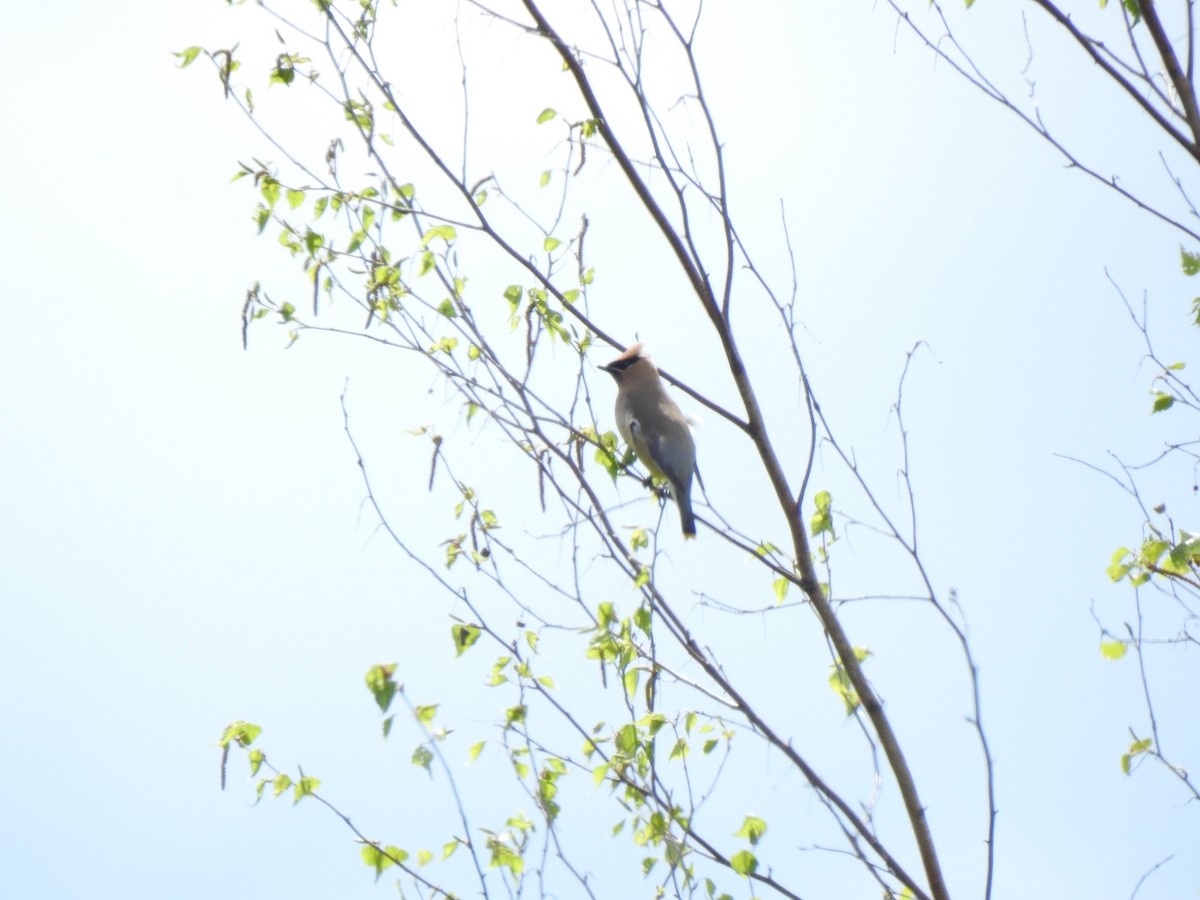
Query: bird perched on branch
{"points": [[655, 427]]}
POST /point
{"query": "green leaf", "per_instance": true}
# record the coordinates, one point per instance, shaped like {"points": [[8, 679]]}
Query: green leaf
{"points": [[304, 788], [425, 713], [1162, 402], [427, 263], [445, 232], [546, 115], [822, 519], [448, 309], [241, 733], [422, 757], [753, 828], [1190, 261], [780, 587], [376, 858], [380, 683], [1111, 649], [270, 189], [627, 739], [544, 179], [1137, 748], [465, 637], [550, 244], [476, 749], [187, 57], [744, 863]]}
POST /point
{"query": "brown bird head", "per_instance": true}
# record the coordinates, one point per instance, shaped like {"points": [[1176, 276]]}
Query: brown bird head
{"points": [[621, 364]]}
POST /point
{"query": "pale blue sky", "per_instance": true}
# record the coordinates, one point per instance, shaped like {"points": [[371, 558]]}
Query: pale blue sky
{"points": [[182, 541]]}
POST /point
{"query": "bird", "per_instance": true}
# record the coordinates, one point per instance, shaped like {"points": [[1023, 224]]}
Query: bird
{"points": [[655, 427]]}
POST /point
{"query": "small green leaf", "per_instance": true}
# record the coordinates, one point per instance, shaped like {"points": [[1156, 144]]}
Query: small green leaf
{"points": [[1111, 649], [1137, 748], [550, 244], [422, 757], [627, 739], [465, 637], [546, 115], [1162, 402], [380, 683], [744, 863], [241, 733], [544, 179], [448, 309], [780, 587], [304, 788], [822, 519], [186, 57], [376, 858], [445, 232], [476, 749], [425, 713], [753, 828]]}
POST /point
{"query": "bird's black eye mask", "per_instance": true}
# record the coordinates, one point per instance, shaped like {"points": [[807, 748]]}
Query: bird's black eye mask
{"points": [[621, 365]]}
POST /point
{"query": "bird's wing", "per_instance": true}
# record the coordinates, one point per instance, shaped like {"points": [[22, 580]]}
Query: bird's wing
{"points": [[655, 451]]}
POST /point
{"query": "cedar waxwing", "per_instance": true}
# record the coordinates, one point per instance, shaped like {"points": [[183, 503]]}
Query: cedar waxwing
{"points": [[655, 428]]}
